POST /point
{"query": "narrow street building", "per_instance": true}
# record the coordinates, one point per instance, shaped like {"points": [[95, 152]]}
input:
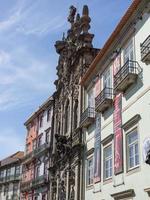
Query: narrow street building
{"points": [[76, 53], [116, 112], [39, 140], [10, 176]]}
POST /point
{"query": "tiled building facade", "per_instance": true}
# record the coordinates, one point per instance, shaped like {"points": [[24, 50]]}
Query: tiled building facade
{"points": [[116, 103], [91, 139], [10, 177]]}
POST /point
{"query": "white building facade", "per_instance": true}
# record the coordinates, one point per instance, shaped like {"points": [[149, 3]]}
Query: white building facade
{"points": [[117, 108]]}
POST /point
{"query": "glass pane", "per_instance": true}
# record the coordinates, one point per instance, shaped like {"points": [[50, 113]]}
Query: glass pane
{"points": [[136, 149], [108, 152], [131, 164], [137, 160], [132, 137], [131, 151]]}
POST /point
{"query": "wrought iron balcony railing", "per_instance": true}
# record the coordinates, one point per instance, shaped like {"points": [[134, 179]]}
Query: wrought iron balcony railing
{"points": [[39, 150], [40, 180], [26, 186], [104, 100], [145, 50], [87, 117], [10, 178], [126, 76]]}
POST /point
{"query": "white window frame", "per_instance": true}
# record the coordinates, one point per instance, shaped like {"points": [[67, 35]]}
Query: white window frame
{"points": [[17, 170], [107, 74], [89, 178], [107, 159], [131, 131], [128, 46], [90, 98]]}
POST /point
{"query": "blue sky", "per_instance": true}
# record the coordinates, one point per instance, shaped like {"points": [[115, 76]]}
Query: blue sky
{"points": [[28, 31]]}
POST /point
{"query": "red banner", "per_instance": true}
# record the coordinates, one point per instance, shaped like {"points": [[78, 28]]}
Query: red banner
{"points": [[97, 137], [97, 150], [117, 122], [118, 146]]}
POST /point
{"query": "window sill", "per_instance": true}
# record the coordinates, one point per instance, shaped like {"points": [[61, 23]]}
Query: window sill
{"points": [[107, 181], [133, 170], [89, 187]]}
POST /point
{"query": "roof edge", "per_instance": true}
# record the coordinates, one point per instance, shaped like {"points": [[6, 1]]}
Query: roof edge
{"points": [[111, 38]]}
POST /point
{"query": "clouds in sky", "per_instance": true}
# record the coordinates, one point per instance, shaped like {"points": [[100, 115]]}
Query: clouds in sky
{"points": [[28, 31]]}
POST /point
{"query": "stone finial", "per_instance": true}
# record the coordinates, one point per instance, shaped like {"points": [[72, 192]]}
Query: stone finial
{"points": [[77, 25], [85, 10], [63, 37], [72, 14], [85, 19], [78, 17]]}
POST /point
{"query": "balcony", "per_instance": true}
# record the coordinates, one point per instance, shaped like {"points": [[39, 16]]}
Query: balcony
{"points": [[41, 149], [26, 186], [40, 180], [145, 50], [126, 76], [11, 178], [87, 117], [104, 100]]}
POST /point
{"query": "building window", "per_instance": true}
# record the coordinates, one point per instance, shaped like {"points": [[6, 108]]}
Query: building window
{"points": [[47, 138], [75, 114], [48, 115], [8, 172], [27, 148], [107, 79], [38, 171], [46, 165], [17, 170], [32, 173], [28, 129], [34, 144], [6, 190], [0, 190], [67, 117], [91, 99], [1, 174], [90, 171], [107, 162], [128, 52], [15, 188], [132, 149], [39, 140], [41, 121]]}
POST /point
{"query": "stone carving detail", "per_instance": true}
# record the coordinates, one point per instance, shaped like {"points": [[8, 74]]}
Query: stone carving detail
{"points": [[76, 52], [85, 19], [72, 14], [62, 185], [72, 184]]}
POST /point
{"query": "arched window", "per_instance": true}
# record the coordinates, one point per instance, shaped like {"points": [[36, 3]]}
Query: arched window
{"points": [[58, 128], [67, 117], [75, 114]]}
